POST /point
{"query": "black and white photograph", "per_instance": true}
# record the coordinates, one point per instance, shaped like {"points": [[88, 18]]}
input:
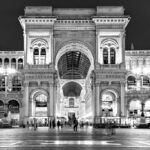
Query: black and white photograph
{"points": [[75, 75]]}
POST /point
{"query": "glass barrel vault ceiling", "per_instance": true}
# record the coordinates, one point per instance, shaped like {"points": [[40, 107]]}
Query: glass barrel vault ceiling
{"points": [[72, 89], [73, 65]]}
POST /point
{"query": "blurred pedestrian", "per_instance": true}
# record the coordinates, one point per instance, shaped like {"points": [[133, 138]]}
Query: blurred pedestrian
{"points": [[58, 124], [53, 123], [75, 126]]}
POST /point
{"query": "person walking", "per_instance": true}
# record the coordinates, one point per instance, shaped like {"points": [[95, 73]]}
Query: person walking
{"points": [[53, 123], [58, 124], [75, 127]]}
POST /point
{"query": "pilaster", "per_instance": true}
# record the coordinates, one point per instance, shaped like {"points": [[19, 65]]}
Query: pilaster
{"points": [[97, 100], [123, 103], [26, 99], [118, 107], [50, 106]]}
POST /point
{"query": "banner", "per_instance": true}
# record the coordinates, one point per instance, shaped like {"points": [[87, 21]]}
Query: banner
{"points": [[13, 107]]}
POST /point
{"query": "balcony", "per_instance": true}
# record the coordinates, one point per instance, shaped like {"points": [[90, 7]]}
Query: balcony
{"points": [[38, 66], [112, 66], [141, 91]]}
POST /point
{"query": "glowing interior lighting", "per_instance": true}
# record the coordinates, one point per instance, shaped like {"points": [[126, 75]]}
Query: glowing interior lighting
{"points": [[88, 115], [7, 71], [10, 70], [137, 70], [2, 70], [146, 70]]}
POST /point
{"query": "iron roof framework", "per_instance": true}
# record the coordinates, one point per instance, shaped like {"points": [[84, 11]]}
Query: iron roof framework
{"points": [[73, 65]]}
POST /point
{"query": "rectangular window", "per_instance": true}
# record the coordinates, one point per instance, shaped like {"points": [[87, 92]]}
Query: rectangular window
{"points": [[71, 102]]}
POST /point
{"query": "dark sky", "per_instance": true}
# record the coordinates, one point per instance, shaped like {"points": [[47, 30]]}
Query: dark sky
{"points": [[138, 30]]}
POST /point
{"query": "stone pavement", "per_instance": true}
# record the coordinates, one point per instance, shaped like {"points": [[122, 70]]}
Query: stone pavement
{"points": [[66, 139]]}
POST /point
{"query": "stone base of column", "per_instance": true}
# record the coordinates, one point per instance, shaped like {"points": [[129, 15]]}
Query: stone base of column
{"points": [[96, 121], [23, 121]]}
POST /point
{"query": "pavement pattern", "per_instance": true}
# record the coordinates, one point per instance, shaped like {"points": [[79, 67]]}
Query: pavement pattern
{"points": [[66, 139]]}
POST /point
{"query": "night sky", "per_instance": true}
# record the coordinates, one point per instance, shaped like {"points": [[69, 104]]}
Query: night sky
{"points": [[138, 30]]}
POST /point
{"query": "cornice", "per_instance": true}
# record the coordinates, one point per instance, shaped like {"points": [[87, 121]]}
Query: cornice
{"points": [[107, 20], [36, 21]]}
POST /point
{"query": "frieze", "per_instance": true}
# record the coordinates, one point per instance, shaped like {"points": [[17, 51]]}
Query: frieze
{"points": [[37, 20], [115, 76], [38, 77], [74, 21]]}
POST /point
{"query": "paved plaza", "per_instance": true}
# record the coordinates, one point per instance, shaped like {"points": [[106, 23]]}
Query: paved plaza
{"points": [[66, 139]]}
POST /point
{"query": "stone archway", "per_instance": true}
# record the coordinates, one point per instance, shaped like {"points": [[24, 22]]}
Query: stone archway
{"points": [[74, 47], [14, 111], [39, 99], [2, 109], [110, 105], [74, 62]]}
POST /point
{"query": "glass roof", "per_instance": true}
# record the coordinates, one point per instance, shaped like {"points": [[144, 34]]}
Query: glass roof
{"points": [[73, 65]]}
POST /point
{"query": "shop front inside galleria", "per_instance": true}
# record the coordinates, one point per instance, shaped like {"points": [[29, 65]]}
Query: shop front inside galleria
{"points": [[75, 65]]}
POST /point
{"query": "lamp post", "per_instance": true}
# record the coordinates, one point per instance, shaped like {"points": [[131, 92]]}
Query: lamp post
{"points": [[6, 72]]}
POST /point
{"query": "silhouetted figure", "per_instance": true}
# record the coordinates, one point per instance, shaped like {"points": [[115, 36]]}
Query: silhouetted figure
{"points": [[58, 124], [27, 124], [75, 127], [53, 123], [50, 124]]}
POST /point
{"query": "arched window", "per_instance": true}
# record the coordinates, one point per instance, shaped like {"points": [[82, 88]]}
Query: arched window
{"points": [[13, 106], [131, 82], [13, 63], [2, 83], [147, 108], [112, 56], [71, 102], [6, 62], [1, 106], [105, 56], [20, 64], [16, 84], [1, 62], [145, 81], [36, 56], [43, 56], [135, 108]]}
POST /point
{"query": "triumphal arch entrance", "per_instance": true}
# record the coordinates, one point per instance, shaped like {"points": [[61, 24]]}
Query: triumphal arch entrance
{"points": [[74, 64]]}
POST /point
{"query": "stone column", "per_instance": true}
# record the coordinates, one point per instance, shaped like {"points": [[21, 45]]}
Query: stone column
{"points": [[97, 100], [118, 107], [48, 101], [55, 99], [123, 103], [123, 46], [30, 107], [26, 99], [93, 103], [25, 35], [24, 110], [98, 104], [50, 110]]}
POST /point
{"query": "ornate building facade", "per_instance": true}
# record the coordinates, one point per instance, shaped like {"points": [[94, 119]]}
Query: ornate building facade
{"points": [[74, 64]]}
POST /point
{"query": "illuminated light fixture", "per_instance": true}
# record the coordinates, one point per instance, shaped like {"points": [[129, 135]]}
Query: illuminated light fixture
{"points": [[87, 115], [7, 71], [137, 70], [141, 70], [146, 70]]}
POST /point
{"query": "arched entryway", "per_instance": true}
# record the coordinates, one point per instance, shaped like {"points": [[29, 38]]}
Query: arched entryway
{"points": [[2, 109], [39, 107], [71, 101], [135, 110], [14, 112], [110, 106], [147, 110], [74, 63]]}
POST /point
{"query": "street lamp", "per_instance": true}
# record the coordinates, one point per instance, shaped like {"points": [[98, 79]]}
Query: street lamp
{"points": [[6, 72]]}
